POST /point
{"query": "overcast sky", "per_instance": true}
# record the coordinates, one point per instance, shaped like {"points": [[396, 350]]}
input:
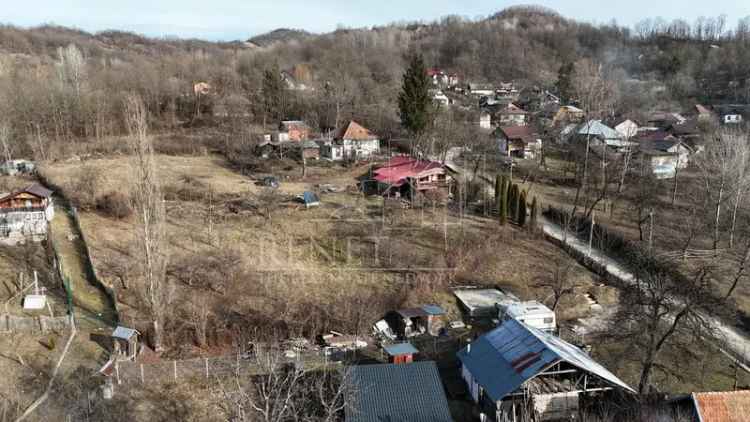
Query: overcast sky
{"points": [[240, 19]]}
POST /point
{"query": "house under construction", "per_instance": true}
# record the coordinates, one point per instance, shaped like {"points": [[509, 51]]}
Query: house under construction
{"points": [[518, 373]]}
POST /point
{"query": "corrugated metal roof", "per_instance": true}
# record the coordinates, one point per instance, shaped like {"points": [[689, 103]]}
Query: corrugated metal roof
{"points": [[409, 392], [597, 128], [400, 349], [124, 333], [727, 406], [433, 309], [502, 360]]}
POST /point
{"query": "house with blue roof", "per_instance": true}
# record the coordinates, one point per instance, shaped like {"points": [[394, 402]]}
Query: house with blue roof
{"points": [[517, 371]]}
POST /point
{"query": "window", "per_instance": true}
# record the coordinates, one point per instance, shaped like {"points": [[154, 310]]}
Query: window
{"points": [[28, 203]]}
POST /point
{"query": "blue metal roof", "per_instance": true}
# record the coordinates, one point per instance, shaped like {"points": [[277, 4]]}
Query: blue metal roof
{"points": [[409, 392], [310, 197], [433, 309], [502, 360], [400, 349]]}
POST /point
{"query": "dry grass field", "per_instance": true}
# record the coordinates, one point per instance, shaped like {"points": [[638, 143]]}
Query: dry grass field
{"points": [[310, 269]]}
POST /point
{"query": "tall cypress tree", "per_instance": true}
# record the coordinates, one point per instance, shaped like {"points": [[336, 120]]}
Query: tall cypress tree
{"points": [[522, 209], [534, 215], [414, 99], [502, 201], [514, 203]]}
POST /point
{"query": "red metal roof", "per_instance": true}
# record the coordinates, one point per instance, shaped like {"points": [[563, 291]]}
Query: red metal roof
{"points": [[524, 133], [728, 406], [399, 168]]}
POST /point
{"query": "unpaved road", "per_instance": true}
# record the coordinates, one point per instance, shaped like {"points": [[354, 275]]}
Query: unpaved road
{"points": [[736, 343]]}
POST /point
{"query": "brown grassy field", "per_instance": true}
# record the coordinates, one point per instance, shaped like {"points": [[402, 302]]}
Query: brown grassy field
{"points": [[310, 268]]}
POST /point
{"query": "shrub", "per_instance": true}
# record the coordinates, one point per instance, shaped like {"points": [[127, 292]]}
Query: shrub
{"points": [[114, 205]]}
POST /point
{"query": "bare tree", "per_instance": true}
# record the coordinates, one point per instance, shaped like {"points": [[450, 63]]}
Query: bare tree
{"points": [[722, 164], [558, 280], [656, 312], [152, 254], [287, 390]]}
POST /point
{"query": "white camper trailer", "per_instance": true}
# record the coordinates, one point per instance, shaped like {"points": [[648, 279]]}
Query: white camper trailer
{"points": [[533, 314]]}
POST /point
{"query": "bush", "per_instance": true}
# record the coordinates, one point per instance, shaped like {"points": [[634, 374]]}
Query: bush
{"points": [[115, 205]]}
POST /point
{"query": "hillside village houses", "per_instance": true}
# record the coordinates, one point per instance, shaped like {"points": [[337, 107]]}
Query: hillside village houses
{"points": [[25, 214]]}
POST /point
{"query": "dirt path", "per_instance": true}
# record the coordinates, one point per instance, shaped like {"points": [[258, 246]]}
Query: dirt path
{"points": [[94, 309], [736, 344]]}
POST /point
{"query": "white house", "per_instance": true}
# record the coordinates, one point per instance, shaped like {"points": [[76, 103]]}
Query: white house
{"points": [[439, 97], [25, 214], [352, 142], [485, 120], [627, 128]]}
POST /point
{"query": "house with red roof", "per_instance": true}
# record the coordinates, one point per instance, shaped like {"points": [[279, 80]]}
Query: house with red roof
{"points": [[403, 176], [25, 214], [352, 142]]}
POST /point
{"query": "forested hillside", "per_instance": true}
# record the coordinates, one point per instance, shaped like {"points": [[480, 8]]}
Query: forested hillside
{"points": [[59, 84]]}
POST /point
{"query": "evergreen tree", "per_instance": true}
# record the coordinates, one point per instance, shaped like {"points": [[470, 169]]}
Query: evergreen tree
{"points": [[273, 91], [534, 215], [564, 84], [502, 204], [522, 209], [414, 100], [514, 203]]}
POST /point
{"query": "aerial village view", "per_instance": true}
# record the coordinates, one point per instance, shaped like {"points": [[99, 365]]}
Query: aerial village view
{"points": [[419, 212]]}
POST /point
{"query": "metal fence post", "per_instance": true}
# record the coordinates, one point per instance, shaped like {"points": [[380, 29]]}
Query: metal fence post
{"points": [[175, 369], [206, 362], [143, 380]]}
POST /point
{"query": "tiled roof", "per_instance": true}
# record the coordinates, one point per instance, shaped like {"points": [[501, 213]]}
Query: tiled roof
{"points": [[728, 406], [502, 360], [354, 131], [409, 392]]}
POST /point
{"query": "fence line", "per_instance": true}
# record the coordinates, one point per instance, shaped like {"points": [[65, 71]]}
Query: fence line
{"points": [[205, 368], [109, 292]]}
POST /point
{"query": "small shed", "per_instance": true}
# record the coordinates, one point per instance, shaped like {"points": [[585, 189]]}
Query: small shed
{"points": [[310, 150], [125, 343], [483, 303], [310, 199], [401, 352]]}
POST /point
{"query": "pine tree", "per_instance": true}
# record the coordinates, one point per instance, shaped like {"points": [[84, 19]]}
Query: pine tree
{"points": [[414, 100], [522, 209], [564, 84], [273, 91]]}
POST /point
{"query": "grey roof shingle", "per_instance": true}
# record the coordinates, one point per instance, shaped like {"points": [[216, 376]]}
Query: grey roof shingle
{"points": [[410, 392]]}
